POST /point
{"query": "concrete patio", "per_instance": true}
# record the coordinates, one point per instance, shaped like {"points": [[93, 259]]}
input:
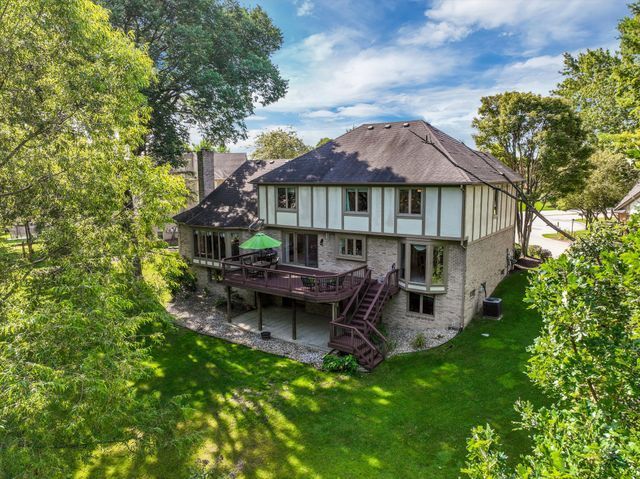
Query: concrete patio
{"points": [[311, 330]]}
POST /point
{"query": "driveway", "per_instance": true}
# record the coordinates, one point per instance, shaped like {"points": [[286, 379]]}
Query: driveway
{"points": [[565, 220]]}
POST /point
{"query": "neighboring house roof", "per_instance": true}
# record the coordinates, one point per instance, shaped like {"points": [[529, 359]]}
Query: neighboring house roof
{"points": [[633, 195], [233, 204], [224, 164], [379, 153]]}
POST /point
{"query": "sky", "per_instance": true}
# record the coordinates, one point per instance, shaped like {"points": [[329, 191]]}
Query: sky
{"points": [[355, 62]]}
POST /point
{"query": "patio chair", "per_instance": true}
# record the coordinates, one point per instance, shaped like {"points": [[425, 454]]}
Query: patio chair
{"points": [[308, 282]]}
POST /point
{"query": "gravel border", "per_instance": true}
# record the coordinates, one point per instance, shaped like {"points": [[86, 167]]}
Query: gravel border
{"points": [[197, 313], [401, 339]]}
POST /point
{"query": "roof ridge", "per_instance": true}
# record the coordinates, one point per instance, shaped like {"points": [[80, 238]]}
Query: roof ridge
{"points": [[434, 138]]}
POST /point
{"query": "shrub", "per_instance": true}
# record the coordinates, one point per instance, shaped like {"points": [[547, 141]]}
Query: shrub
{"points": [[517, 252], [345, 364], [419, 342], [545, 254], [535, 250]]}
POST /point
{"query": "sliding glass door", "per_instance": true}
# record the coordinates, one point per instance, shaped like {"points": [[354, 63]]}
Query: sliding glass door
{"points": [[302, 249]]}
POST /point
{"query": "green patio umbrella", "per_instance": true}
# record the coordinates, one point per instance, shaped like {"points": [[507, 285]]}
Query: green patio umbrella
{"points": [[260, 241]]}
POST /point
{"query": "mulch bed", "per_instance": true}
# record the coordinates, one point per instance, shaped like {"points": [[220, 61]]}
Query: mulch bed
{"points": [[526, 263]]}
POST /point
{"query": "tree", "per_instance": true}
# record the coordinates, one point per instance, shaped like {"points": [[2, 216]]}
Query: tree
{"points": [[72, 313], [208, 146], [611, 178], [541, 138], [213, 63], [589, 85], [322, 141], [279, 143], [586, 360], [605, 88]]}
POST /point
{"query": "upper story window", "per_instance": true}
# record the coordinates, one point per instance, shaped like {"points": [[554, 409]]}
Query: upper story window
{"points": [[287, 198], [351, 247], [423, 264], [410, 201], [357, 200], [209, 245]]}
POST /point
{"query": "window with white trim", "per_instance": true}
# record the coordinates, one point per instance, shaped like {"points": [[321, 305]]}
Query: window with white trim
{"points": [[356, 200], [352, 247], [287, 198], [410, 201]]}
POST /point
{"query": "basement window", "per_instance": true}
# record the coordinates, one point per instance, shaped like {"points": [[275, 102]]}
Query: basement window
{"points": [[422, 303]]}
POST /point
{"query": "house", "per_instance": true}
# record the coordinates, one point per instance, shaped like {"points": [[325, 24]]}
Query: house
{"points": [[203, 172], [629, 204], [397, 221]]}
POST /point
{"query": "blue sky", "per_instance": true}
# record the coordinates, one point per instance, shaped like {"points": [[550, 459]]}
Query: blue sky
{"points": [[352, 62]]}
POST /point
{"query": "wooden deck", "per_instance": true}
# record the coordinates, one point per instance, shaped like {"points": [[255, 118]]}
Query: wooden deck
{"points": [[293, 282]]}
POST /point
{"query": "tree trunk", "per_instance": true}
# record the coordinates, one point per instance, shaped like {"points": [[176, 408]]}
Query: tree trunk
{"points": [[136, 262], [27, 232]]}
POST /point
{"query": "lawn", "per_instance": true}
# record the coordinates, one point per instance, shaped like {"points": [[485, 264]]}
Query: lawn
{"points": [[557, 236], [280, 419]]}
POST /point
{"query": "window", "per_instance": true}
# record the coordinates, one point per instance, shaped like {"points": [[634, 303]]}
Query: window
{"points": [[410, 201], [437, 265], [424, 264], [351, 247], [235, 245], [418, 263], [287, 198], [496, 194], [422, 303], [209, 245], [357, 200], [301, 249]]}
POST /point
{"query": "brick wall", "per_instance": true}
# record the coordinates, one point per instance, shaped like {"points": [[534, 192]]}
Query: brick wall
{"points": [[486, 261], [448, 306]]}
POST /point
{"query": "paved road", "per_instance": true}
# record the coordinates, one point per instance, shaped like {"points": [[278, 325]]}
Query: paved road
{"points": [[560, 218]]}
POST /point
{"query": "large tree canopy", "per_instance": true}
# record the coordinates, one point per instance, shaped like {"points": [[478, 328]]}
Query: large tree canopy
{"points": [[604, 87], [541, 138], [586, 360], [279, 143], [213, 63], [71, 117]]}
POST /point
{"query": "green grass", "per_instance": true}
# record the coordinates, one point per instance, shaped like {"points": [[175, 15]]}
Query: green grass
{"points": [[559, 237], [410, 418], [539, 206]]}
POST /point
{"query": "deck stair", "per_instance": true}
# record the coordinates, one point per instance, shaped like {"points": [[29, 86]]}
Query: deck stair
{"points": [[355, 330]]}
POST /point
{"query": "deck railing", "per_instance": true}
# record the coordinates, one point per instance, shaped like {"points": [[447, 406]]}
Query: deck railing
{"points": [[242, 270], [366, 342]]}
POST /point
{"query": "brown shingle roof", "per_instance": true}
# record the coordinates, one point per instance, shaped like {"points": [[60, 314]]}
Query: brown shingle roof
{"points": [[380, 154], [234, 204]]}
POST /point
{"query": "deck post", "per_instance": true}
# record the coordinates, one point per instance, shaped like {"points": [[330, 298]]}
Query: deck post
{"points": [[259, 304], [293, 320], [334, 311], [228, 304]]}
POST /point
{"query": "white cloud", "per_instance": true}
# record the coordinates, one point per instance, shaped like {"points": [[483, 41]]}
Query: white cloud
{"points": [[344, 68], [538, 23], [305, 7], [433, 34]]}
